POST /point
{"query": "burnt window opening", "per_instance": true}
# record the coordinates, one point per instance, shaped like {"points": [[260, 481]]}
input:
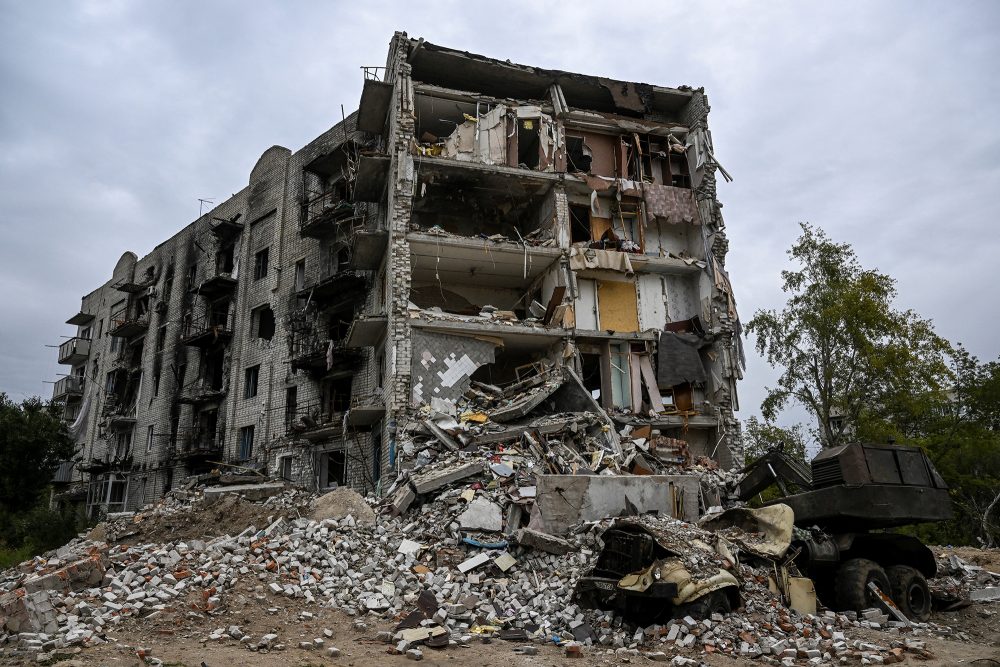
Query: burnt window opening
{"points": [[263, 322], [260, 264], [213, 365], [161, 338], [579, 223], [578, 155], [335, 396], [225, 260]]}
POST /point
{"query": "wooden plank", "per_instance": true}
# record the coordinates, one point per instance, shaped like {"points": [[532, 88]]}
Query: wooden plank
{"points": [[557, 296], [649, 377]]}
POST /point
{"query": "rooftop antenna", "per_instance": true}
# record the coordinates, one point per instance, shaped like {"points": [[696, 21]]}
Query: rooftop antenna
{"points": [[201, 205]]}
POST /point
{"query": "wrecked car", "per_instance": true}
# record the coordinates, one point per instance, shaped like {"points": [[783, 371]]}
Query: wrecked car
{"points": [[648, 573]]}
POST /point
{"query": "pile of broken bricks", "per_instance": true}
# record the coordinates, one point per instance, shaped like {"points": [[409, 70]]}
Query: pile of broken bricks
{"points": [[440, 584], [960, 583]]}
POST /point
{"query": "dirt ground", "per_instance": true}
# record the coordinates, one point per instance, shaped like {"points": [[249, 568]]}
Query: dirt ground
{"points": [[179, 638]]}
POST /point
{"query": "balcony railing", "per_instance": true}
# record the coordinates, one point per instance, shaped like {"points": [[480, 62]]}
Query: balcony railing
{"points": [[326, 213], [208, 329], [117, 413], [74, 351], [201, 391], [68, 387], [126, 323], [197, 442], [338, 289], [214, 286], [311, 418]]}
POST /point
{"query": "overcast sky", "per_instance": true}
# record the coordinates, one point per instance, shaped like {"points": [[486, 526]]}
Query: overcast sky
{"points": [[877, 121]]}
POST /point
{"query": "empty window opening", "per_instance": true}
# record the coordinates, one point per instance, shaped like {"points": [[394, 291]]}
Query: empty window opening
{"points": [[213, 364], [578, 155], [591, 374], [251, 376], [579, 223], [224, 260], [331, 468], [260, 264], [335, 396], [161, 338], [263, 322], [291, 405], [300, 275], [528, 143], [285, 468], [246, 443]]}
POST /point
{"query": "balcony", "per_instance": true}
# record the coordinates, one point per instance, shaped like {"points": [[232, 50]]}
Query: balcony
{"points": [[127, 323], [80, 319], [207, 330], [200, 392], [69, 387], [131, 286], [198, 443], [316, 421], [366, 410], [221, 284], [74, 351], [326, 213], [320, 357], [118, 414], [337, 290]]}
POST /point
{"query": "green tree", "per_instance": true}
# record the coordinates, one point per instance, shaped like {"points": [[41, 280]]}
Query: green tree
{"points": [[843, 349], [33, 440], [960, 430], [759, 437]]}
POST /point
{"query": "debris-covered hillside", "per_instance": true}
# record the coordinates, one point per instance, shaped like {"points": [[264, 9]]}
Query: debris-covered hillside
{"points": [[292, 578]]}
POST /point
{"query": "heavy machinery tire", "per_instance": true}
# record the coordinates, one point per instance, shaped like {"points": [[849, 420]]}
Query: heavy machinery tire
{"points": [[716, 602], [852, 584], [910, 592]]}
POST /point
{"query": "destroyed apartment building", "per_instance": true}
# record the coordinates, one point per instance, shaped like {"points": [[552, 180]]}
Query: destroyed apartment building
{"points": [[484, 256]]}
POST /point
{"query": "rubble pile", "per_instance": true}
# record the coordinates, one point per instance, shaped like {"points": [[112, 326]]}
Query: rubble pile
{"points": [[960, 582], [498, 427], [443, 573]]}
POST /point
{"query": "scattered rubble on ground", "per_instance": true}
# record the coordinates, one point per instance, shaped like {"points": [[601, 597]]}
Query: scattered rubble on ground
{"points": [[446, 572]]}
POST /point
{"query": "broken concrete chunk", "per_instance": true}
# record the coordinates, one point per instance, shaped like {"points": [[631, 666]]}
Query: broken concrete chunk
{"points": [[473, 563], [435, 479], [481, 514], [505, 561], [535, 539]]}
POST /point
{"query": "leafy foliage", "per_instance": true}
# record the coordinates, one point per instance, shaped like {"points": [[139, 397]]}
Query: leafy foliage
{"points": [[759, 437], [843, 348], [33, 440], [960, 430]]}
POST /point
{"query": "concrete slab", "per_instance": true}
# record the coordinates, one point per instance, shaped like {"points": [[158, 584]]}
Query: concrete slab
{"points": [[563, 500], [250, 491]]}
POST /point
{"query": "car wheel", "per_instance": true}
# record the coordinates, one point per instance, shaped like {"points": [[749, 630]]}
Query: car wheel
{"points": [[852, 584], [910, 592]]}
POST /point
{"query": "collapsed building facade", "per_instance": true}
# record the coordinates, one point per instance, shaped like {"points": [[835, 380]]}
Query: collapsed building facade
{"points": [[482, 255]]}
